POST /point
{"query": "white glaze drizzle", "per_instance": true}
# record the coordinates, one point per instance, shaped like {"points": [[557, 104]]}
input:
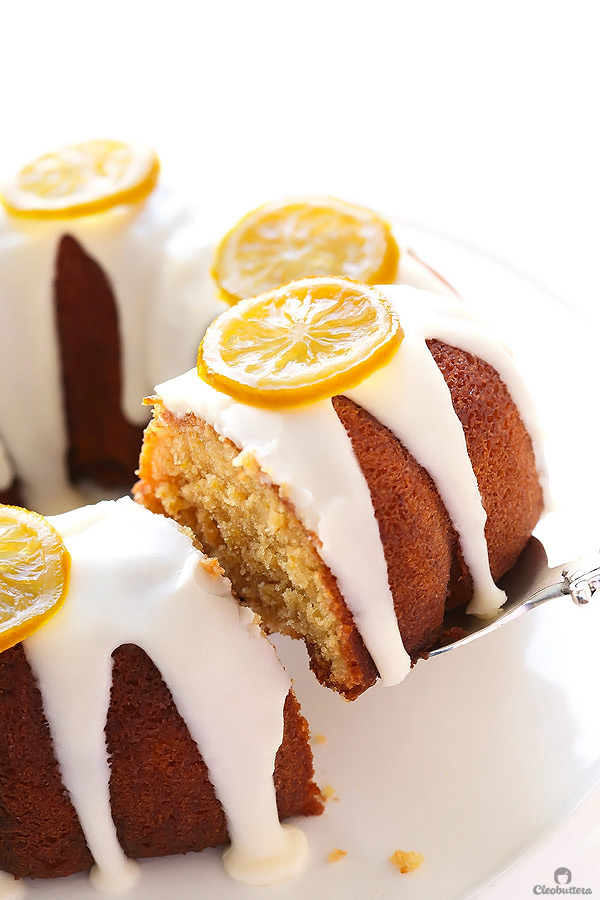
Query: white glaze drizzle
{"points": [[158, 263], [157, 593], [307, 453]]}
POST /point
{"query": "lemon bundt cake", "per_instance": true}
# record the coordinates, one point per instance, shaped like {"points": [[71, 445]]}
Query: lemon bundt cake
{"points": [[104, 297], [114, 743], [104, 284], [350, 512]]}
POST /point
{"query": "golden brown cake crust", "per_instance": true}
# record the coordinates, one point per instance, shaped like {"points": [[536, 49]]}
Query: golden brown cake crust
{"points": [[103, 445], [40, 835], [161, 797], [502, 457], [418, 539]]}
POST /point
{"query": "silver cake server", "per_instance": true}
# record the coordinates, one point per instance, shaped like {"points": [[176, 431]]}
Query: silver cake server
{"points": [[528, 585]]}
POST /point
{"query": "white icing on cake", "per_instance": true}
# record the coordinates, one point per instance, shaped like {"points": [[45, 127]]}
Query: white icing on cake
{"points": [[158, 264], [136, 578], [307, 453]]}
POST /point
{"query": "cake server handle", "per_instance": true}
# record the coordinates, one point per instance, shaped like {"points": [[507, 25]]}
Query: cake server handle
{"points": [[582, 582]]}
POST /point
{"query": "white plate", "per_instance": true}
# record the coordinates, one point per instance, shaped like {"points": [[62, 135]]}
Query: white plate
{"points": [[480, 754]]}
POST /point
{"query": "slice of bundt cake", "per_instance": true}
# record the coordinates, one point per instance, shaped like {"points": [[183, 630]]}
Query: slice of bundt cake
{"points": [[352, 521], [148, 716]]}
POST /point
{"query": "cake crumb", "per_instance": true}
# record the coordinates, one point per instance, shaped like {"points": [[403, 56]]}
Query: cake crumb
{"points": [[318, 738], [406, 860], [328, 793], [275, 521], [245, 460], [211, 566], [336, 854]]}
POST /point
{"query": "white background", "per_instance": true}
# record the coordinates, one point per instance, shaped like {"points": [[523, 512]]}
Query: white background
{"points": [[479, 119]]}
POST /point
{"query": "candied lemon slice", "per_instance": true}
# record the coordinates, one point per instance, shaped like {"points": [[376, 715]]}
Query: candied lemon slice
{"points": [[34, 573], [307, 340], [82, 179], [283, 241]]}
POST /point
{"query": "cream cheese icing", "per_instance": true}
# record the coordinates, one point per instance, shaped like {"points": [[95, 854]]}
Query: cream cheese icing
{"points": [[308, 455], [158, 593], [158, 262]]}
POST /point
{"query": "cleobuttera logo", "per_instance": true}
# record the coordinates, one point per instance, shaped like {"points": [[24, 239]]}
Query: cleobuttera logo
{"points": [[562, 876]]}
